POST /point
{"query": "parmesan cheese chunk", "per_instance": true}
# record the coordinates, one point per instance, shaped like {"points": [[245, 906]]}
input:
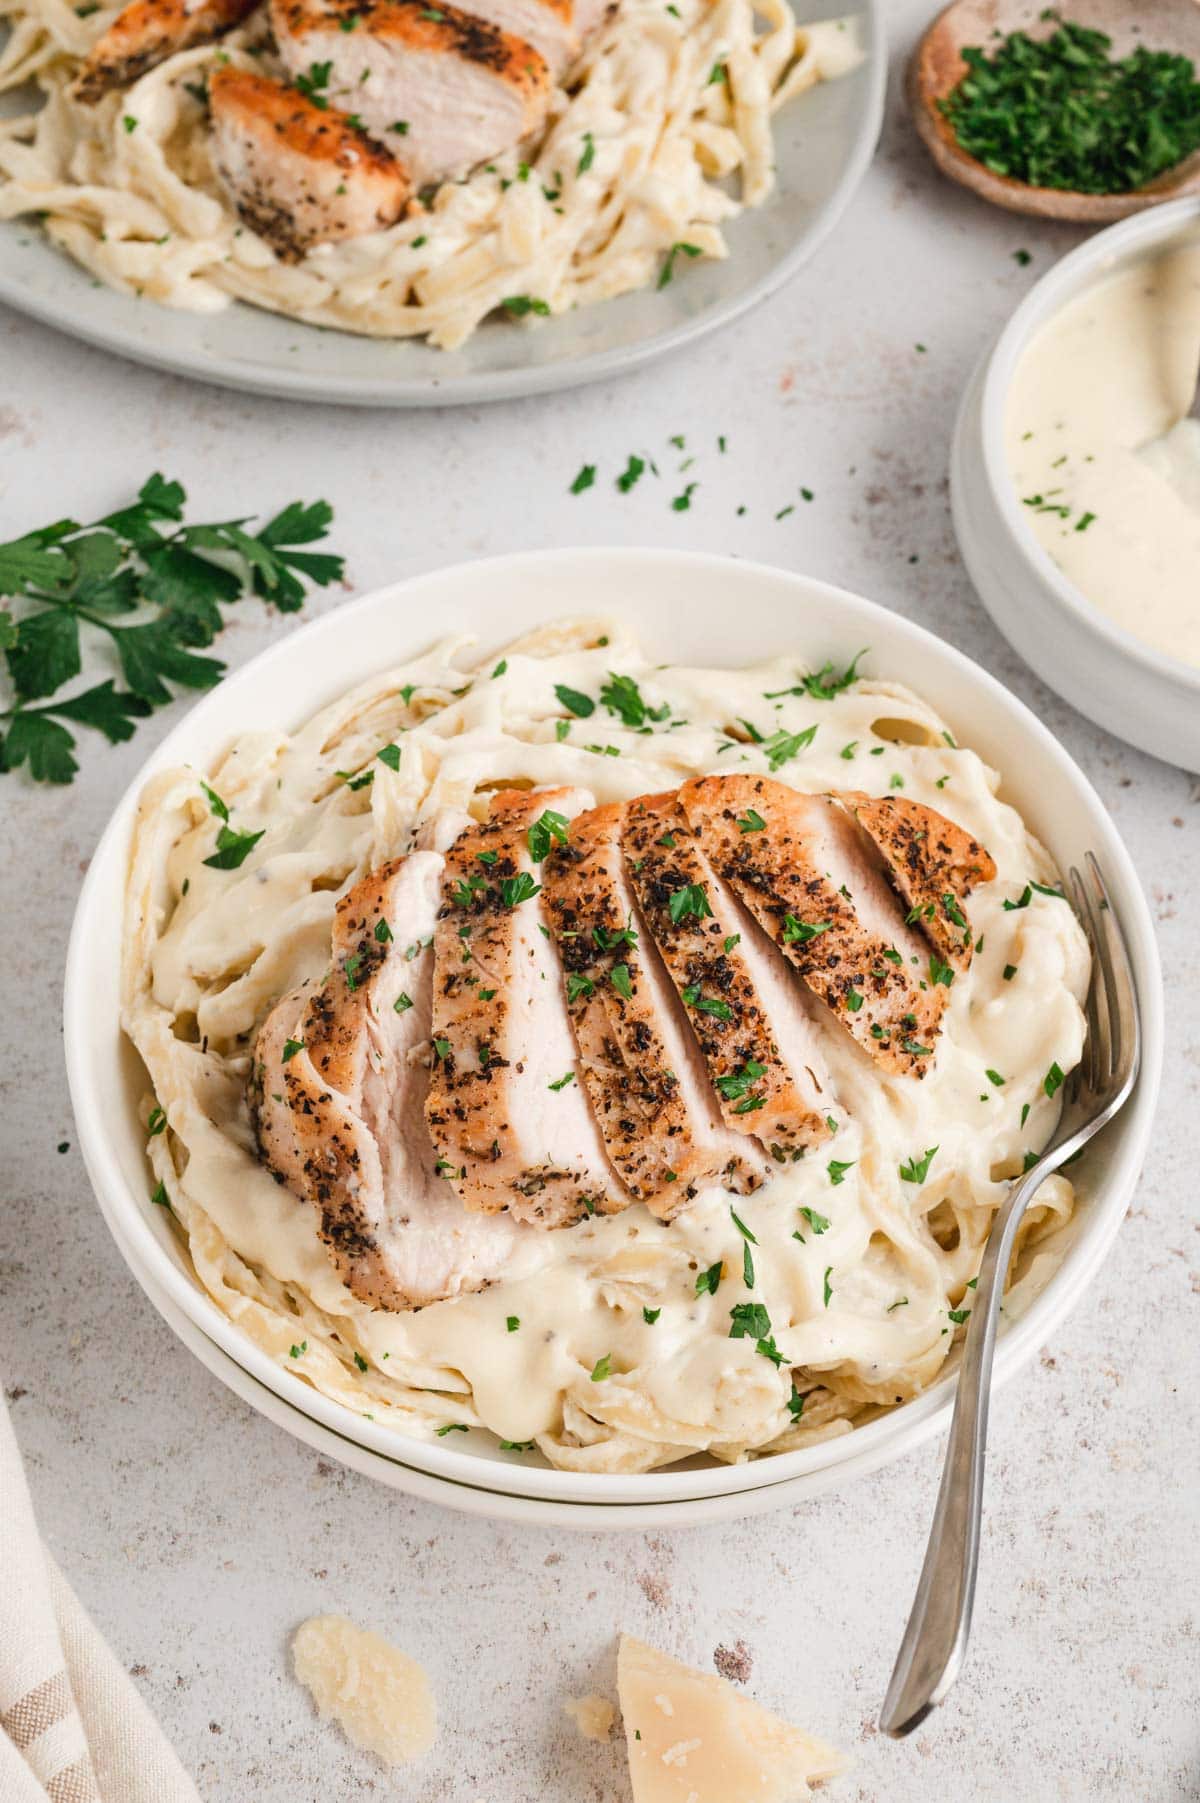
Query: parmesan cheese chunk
{"points": [[592, 1715], [379, 1697], [692, 1738]]}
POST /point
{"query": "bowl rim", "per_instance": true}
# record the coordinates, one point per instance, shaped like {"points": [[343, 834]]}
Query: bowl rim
{"points": [[128, 1214], [1096, 257]]}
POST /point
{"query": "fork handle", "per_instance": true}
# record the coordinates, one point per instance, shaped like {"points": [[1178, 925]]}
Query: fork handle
{"points": [[935, 1641]]}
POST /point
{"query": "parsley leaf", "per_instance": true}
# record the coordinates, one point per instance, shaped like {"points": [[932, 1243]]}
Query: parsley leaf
{"points": [[155, 588]]}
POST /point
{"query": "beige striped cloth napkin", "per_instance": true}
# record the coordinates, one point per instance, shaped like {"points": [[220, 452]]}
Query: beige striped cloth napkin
{"points": [[72, 1727]]}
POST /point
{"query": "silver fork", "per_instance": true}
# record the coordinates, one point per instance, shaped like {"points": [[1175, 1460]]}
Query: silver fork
{"points": [[935, 1641]]}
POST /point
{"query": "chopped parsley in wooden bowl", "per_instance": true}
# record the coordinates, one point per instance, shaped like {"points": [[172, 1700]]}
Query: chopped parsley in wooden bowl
{"points": [[1087, 117]]}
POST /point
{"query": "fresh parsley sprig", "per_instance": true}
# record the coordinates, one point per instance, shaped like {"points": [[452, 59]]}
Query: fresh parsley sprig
{"points": [[154, 587]]}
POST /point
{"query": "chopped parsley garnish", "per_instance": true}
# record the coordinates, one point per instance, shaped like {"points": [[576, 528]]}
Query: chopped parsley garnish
{"points": [[361, 1362], [452, 1427], [143, 565], [1009, 972], [854, 1000], [682, 503], [650, 1315], [631, 474], [782, 746], [402, 1003], [517, 889], [837, 1169], [691, 901], [825, 683], [795, 1403], [587, 155], [828, 1286], [939, 972], [292, 1046], [578, 986], [1052, 1082], [621, 981], [799, 932], [512, 1322], [622, 697], [708, 1282], [749, 1321], [819, 1223], [562, 1081], [917, 1169], [706, 1004], [668, 269], [542, 834], [582, 706], [901, 1302], [298, 1351], [519, 306], [233, 848], [156, 1122], [390, 755], [1060, 112], [311, 84], [751, 822], [1027, 894], [736, 1084], [517, 1445], [952, 910], [383, 932], [584, 479], [995, 1078], [959, 1315]]}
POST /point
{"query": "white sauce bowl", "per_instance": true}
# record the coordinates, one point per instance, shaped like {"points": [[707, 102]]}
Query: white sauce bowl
{"points": [[688, 609], [1137, 692]]}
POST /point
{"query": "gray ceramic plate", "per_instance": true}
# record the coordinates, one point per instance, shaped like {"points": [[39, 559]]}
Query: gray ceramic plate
{"points": [[825, 142]]}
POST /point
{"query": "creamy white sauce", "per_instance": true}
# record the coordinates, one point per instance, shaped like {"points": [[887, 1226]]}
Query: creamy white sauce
{"points": [[859, 1304], [1104, 461]]}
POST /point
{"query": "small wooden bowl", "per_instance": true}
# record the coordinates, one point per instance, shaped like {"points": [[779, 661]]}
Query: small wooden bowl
{"points": [[937, 68]]}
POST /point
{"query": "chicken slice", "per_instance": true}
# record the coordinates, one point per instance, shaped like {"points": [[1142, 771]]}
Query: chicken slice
{"points": [[642, 1068], [340, 1075], [506, 1108], [548, 25], [145, 33], [813, 882], [299, 175], [932, 863], [449, 87], [748, 1016]]}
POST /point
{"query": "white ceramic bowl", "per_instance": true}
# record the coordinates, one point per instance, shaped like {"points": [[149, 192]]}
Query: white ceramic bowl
{"points": [[692, 608], [1135, 691]]}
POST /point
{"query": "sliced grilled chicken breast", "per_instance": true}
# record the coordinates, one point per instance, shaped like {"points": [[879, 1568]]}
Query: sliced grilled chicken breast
{"points": [[299, 175], [931, 862], [642, 1068], [506, 1108], [448, 88], [145, 33], [340, 1077], [548, 25], [813, 882], [758, 1043]]}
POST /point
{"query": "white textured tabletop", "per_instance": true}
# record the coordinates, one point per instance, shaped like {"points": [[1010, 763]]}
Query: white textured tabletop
{"points": [[199, 1535]]}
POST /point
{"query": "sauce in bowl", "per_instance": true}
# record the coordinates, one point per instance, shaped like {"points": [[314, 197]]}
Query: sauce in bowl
{"points": [[1104, 460]]}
